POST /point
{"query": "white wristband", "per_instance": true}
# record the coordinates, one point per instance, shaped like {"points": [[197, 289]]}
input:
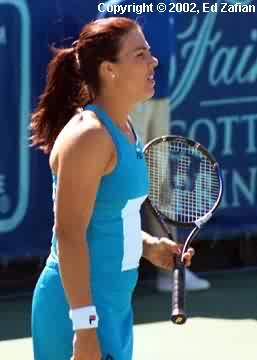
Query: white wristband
{"points": [[84, 317]]}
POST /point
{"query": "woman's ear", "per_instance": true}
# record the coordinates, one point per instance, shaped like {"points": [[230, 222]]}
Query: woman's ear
{"points": [[107, 71]]}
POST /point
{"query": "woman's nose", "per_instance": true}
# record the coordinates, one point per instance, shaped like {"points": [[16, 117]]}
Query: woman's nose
{"points": [[155, 61]]}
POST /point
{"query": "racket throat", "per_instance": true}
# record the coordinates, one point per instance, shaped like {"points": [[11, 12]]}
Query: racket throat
{"points": [[199, 223]]}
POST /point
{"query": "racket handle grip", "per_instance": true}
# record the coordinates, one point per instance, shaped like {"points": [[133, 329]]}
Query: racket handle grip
{"points": [[178, 315]]}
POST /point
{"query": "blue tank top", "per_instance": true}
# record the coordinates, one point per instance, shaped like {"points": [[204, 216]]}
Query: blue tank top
{"points": [[114, 232]]}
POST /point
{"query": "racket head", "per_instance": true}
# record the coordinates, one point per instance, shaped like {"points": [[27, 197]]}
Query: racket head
{"points": [[186, 184]]}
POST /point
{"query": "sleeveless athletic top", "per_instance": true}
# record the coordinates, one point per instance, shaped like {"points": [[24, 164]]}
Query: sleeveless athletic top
{"points": [[114, 232]]}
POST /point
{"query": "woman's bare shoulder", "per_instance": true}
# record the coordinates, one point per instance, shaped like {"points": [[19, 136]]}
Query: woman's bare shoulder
{"points": [[84, 134]]}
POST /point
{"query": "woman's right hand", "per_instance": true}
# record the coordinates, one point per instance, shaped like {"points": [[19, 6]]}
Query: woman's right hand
{"points": [[85, 345]]}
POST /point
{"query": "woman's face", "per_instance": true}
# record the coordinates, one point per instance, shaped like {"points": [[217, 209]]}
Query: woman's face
{"points": [[134, 70]]}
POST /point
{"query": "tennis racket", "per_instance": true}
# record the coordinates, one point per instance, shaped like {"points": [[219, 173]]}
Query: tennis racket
{"points": [[185, 189]]}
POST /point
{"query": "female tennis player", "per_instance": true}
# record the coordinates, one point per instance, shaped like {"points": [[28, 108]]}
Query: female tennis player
{"points": [[82, 302]]}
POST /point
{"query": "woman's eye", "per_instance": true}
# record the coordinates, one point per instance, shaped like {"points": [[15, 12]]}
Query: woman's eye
{"points": [[140, 54]]}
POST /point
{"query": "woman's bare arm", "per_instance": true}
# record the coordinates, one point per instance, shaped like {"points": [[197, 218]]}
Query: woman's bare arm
{"points": [[82, 160]]}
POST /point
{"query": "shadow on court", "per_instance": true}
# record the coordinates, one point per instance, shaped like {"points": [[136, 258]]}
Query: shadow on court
{"points": [[233, 295], [15, 317]]}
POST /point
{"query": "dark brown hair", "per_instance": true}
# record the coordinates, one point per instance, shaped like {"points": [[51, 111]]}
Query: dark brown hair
{"points": [[73, 77]]}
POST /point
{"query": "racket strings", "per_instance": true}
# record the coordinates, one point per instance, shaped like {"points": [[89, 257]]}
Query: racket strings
{"points": [[184, 184]]}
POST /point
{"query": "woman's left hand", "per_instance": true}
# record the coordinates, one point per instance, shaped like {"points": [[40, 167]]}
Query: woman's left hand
{"points": [[161, 253]]}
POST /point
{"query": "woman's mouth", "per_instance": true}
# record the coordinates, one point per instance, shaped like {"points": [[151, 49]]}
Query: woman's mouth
{"points": [[151, 78]]}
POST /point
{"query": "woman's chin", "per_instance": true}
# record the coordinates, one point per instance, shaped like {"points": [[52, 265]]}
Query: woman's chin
{"points": [[146, 96], [150, 94]]}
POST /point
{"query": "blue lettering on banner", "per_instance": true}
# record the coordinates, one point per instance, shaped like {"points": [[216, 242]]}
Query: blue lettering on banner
{"points": [[214, 101]]}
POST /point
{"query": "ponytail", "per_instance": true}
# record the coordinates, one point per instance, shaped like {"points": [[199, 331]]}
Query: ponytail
{"points": [[64, 94]]}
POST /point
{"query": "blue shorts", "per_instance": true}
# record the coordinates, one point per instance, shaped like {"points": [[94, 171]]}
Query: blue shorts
{"points": [[52, 332]]}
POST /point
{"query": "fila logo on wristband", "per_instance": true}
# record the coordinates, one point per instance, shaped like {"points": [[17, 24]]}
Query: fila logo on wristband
{"points": [[84, 318], [92, 318]]}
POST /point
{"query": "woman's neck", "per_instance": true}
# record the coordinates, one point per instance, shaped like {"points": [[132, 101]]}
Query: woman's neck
{"points": [[119, 115], [118, 112]]}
